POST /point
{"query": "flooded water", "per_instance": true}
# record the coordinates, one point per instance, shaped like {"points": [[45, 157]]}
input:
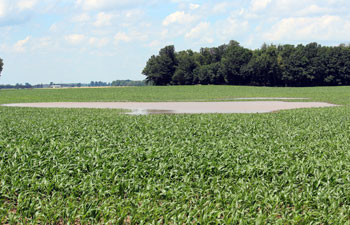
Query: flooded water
{"points": [[269, 98], [150, 111], [146, 108]]}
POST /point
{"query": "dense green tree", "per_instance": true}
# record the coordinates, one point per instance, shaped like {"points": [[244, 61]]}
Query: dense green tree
{"points": [[167, 64], [160, 69], [211, 55], [205, 58], [1, 65], [263, 68], [345, 71], [216, 77], [151, 70], [283, 65], [342, 64], [208, 74], [234, 58], [311, 51], [186, 64], [295, 65]]}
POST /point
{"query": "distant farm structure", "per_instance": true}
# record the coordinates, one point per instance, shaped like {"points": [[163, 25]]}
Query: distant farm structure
{"points": [[55, 86]]}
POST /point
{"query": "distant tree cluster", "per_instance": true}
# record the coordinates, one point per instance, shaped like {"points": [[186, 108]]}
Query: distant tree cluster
{"points": [[271, 65], [117, 83], [71, 85], [128, 83], [99, 84], [16, 86]]}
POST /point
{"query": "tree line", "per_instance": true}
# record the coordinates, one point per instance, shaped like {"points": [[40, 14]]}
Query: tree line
{"points": [[118, 83], [68, 85], [18, 86], [271, 65], [1, 65], [128, 83]]}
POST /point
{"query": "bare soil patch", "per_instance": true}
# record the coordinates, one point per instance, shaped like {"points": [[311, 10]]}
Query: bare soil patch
{"points": [[138, 108]]}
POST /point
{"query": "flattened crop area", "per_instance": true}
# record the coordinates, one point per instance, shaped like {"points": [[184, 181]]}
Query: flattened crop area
{"points": [[184, 107]]}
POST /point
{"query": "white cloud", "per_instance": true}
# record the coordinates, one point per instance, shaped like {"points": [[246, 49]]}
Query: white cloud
{"points": [[131, 36], [98, 42], [179, 17], [232, 27], [20, 45], [43, 44], [324, 28], [164, 34], [258, 5], [198, 31], [93, 4], [15, 12], [241, 12], [292, 8], [74, 38], [194, 6], [81, 18], [103, 19], [312, 9], [121, 36], [134, 13], [26, 4], [53, 28], [221, 7], [3, 7], [154, 44], [291, 5], [208, 40], [105, 4]]}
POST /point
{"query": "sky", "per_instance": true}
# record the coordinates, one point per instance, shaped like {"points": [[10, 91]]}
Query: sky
{"points": [[71, 41]]}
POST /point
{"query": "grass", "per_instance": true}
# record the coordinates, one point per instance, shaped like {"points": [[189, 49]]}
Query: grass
{"points": [[99, 166], [339, 95]]}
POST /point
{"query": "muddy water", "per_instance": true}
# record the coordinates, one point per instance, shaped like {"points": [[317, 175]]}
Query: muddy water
{"points": [[144, 108], [150, 111], [270, 98]]}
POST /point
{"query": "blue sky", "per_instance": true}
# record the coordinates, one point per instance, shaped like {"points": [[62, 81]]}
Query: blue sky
{"points": [[44, 41]]}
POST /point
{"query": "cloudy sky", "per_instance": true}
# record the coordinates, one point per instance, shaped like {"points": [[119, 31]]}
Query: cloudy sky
{"points": [[44, 41]]}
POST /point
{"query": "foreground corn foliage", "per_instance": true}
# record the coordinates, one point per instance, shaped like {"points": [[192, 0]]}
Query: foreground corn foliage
{"points": [[99, 166]]}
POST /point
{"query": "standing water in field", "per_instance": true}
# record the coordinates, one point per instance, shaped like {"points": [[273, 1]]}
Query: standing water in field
{"points": [[144, 108]]}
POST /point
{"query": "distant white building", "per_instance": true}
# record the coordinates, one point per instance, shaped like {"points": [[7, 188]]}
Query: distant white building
{"points": [[55, 86]]}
